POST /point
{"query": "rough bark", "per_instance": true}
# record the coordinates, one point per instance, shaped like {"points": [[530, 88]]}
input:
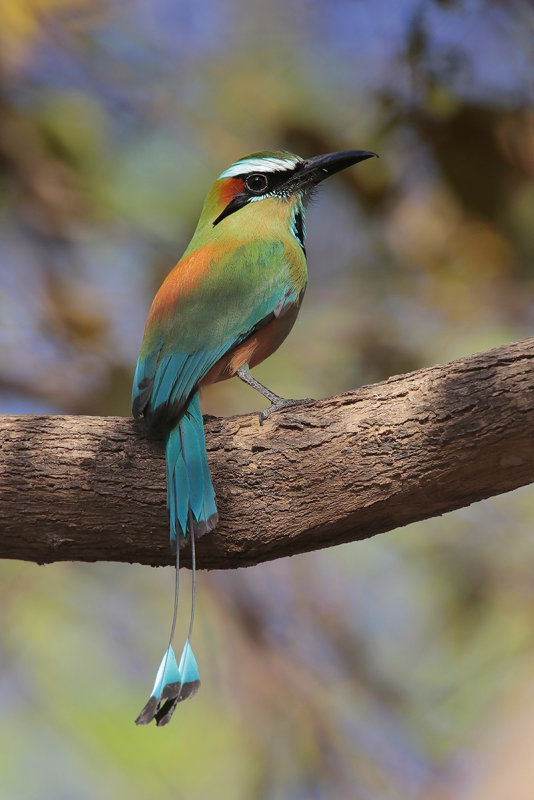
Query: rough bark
{"points": [[346, 468]]}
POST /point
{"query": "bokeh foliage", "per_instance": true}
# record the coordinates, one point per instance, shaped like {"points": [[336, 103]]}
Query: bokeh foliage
{"points": [[367, 671]]}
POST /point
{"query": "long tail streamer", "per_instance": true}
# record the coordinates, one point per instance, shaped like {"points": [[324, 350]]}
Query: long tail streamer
{"points": [[174, 681]]}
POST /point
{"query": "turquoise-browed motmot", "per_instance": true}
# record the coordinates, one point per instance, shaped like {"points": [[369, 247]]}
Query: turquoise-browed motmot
{"points": [[225, 307]]}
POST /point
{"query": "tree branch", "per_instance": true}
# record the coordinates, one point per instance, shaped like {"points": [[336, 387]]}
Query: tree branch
{"points": [[349, 467]]}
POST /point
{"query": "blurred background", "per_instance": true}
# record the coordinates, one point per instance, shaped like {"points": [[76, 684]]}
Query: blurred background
{"points": [[399, 667]]}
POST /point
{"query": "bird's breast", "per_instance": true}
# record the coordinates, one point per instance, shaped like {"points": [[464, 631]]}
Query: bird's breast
{"points": [[256, 348]]}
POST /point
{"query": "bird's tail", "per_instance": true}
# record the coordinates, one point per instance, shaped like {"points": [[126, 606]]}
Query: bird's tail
{"points": [[190, 495], [192, 512]]}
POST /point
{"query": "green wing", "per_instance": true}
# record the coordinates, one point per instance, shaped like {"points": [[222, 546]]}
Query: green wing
{"points": [[240, 293]]}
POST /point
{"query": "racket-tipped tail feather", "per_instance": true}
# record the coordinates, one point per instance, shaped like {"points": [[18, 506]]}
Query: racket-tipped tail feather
{"points": [[174, 683]]}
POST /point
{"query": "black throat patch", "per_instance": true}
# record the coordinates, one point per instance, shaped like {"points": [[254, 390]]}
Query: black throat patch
{"points": [[298, 230]]}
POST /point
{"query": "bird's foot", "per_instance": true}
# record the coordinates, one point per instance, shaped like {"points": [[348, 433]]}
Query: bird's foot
{"points": [[282, 402]]}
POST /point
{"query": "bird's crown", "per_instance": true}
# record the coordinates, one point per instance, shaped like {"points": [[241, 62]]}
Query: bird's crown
{"points": [[265, 161]]}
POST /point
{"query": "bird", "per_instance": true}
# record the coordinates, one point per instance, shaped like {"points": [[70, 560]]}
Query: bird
{"points": [[227, 305]]}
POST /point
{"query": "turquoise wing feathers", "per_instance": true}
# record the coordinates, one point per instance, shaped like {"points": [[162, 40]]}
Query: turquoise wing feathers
{"points": [[247, 288], [164, 382]]}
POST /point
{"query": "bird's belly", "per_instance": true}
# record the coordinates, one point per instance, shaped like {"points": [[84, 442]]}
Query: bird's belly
{"points": [[253, 350]]}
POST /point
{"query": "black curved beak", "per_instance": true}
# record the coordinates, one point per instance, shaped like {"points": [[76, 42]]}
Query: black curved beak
{"points": [[314, 170]]}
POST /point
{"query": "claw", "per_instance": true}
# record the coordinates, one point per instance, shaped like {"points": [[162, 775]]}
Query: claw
{"points": [[283, 402]]}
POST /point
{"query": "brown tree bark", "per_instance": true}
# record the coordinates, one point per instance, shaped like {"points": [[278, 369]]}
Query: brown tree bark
{"points": [[346, 468]]}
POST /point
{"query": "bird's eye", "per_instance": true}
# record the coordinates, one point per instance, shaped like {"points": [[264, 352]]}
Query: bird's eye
{"points": [[256, 183]]}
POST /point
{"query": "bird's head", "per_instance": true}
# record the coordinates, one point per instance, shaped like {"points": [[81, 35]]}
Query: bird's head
{"points": [[270, 185]]}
